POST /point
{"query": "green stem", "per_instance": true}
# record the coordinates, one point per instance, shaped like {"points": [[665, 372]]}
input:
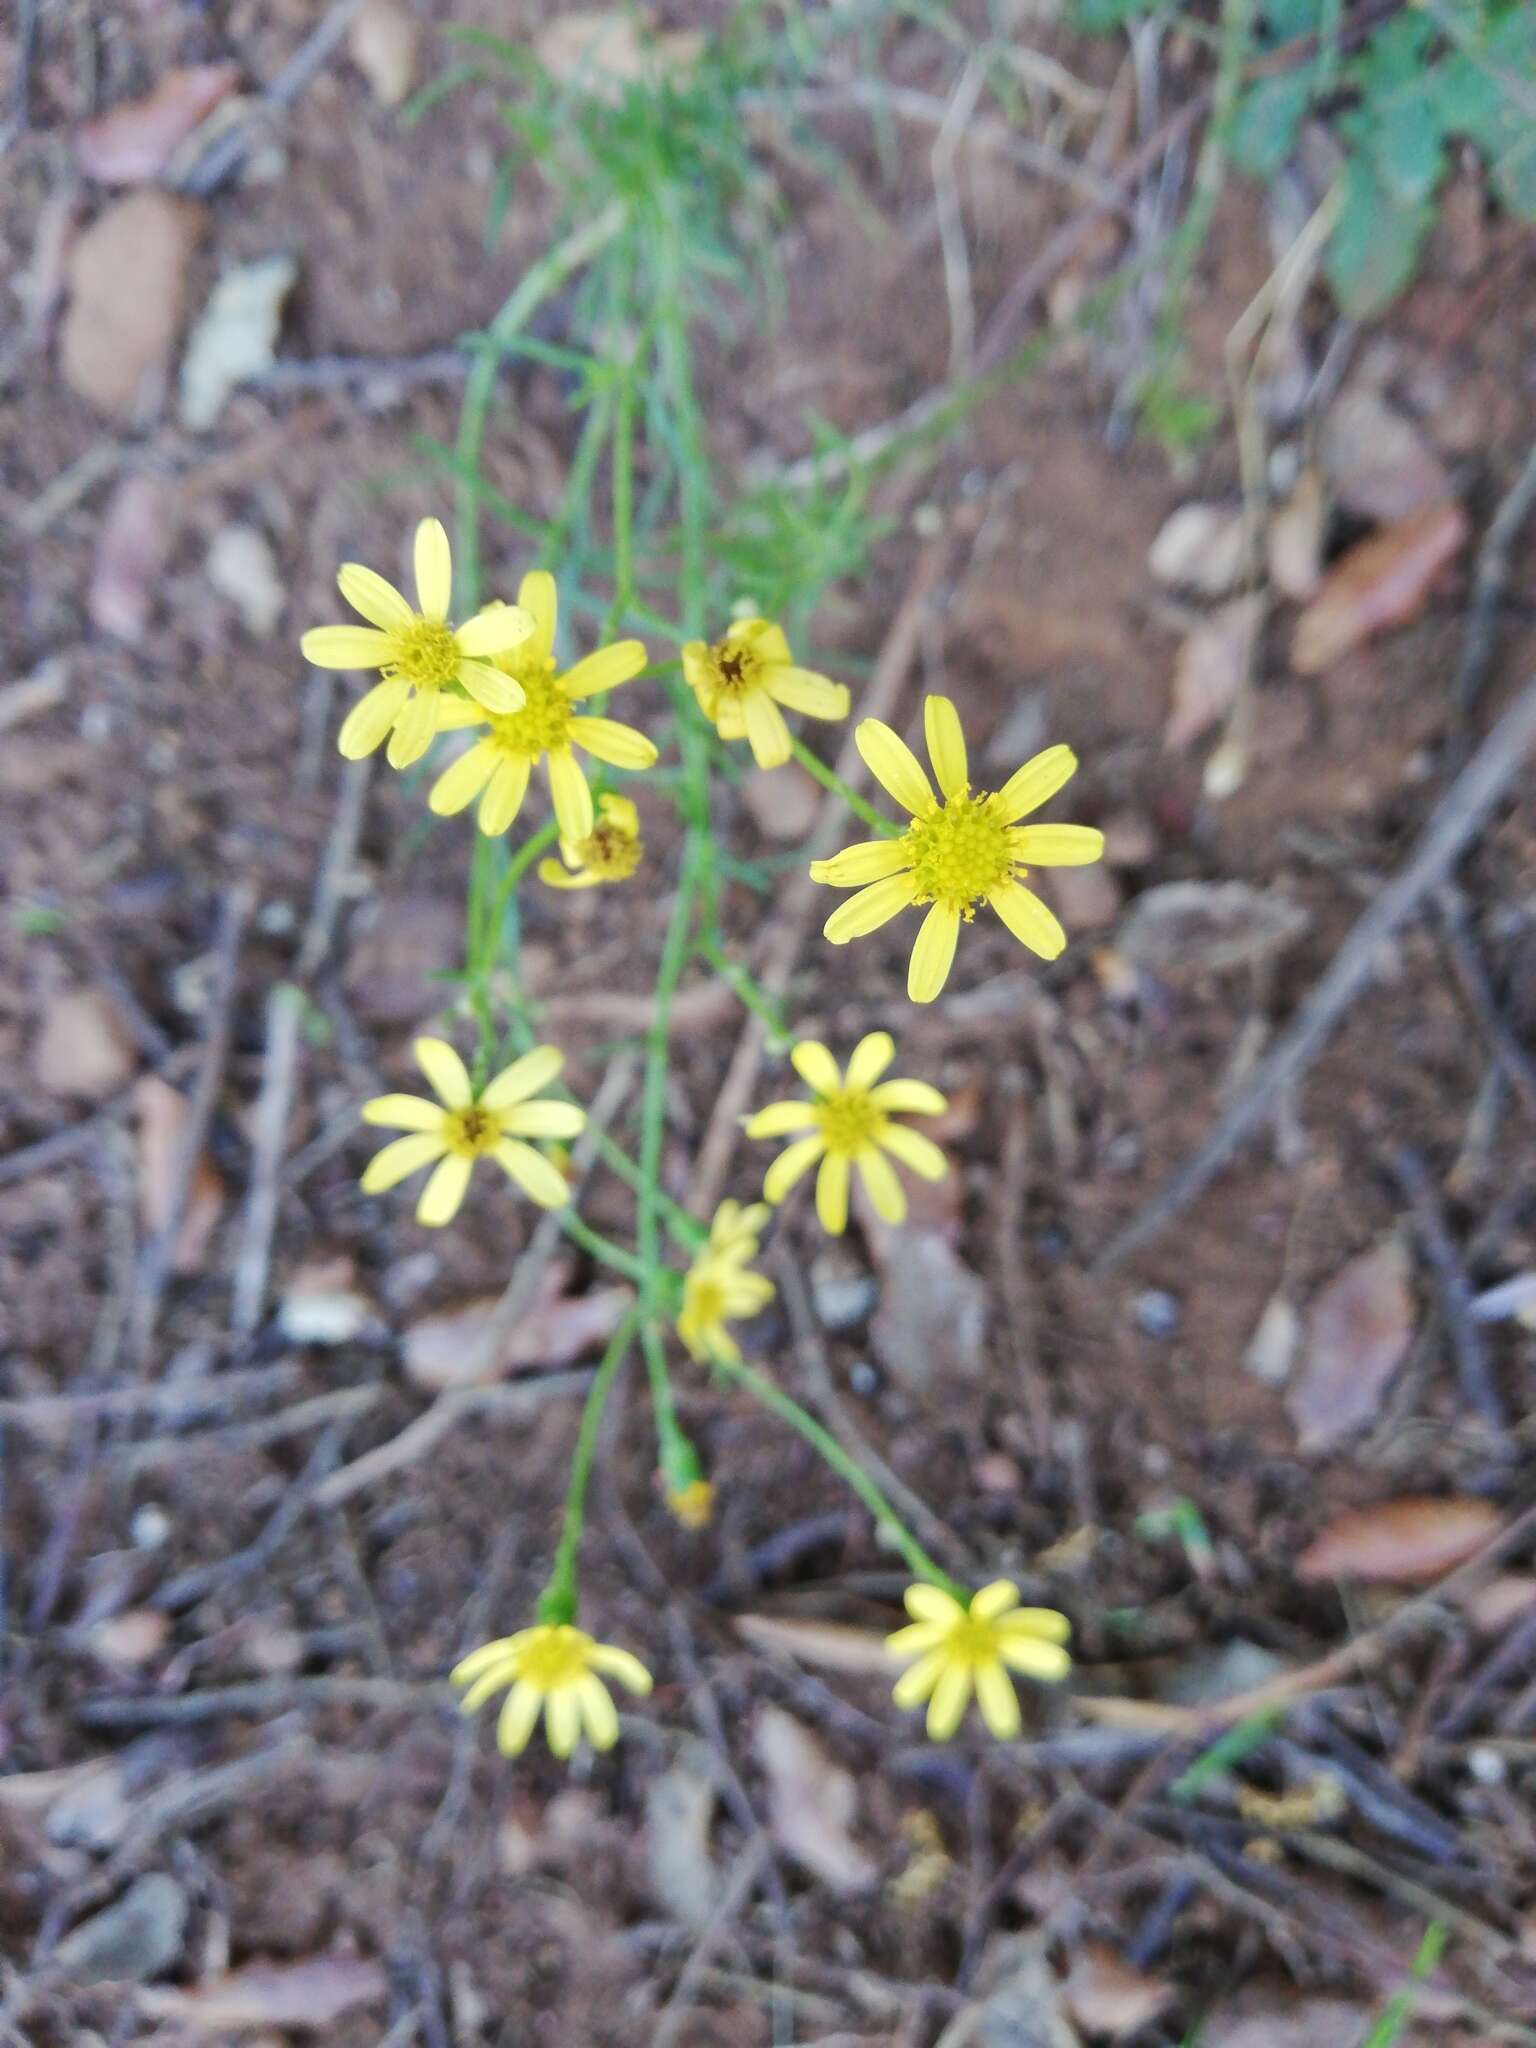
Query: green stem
{"points": [[830, 779], [747, 992], [847, 1468], [668, 1429], [603, 1249], [557, 1603], [653, 1101]]}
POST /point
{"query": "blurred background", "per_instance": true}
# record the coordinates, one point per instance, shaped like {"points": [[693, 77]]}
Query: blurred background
{"points": [[1155, 380]]}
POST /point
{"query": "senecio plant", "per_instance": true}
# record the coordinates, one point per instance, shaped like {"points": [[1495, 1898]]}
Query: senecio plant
{"points": [[496, 683]]}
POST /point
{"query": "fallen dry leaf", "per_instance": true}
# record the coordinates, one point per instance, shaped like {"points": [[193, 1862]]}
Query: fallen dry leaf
{"points": [[384, 42], [929, 1331], [832, 1645], [34, 696], [1357, 1335], [242, 567], [235, 336], [1184, 929], [1294, 540], [811, 1803], [132, 544], [1200, 548], [783, 803], [81, 1048], [1210, 668], [306, 1996], [127, 300], [1108, 1996], [162, 1113], [604, 50], [1500, 1601], [445, 1351], [1272, 1348], [131, 1639], [1399, 1542], [1379, 464], [1020, 2003], [1382, 582], [679, 1809], [322, 1304], [134, 141], [1300, 2023]]}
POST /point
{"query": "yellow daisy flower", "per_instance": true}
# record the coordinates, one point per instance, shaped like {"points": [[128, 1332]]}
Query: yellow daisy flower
{"points": [[849, 1124], [419, 652], [717, 1287], [461, 1126], [497, 767], [956, 853], [961, 1649], [693, 1504], [556, 1667], [742, 680], [610, 853]]}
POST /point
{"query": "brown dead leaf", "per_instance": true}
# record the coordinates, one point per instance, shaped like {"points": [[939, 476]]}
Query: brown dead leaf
{"points": [[162, 1117], [81, 1048], [307, 1996], [445, 1351], [831, 1645], [132, 143], [132, 544], [132, 1639], [605, 49], [1108, 1996], [1493, 1606], [1294, 541], [1379, 464], [1181, 930], [811, 1803], [1301, 2023], [679, 1810], [929, 1331], [1200, 547], [1383, 582], [128, 298], [1399, 1542], [1357, 1335], [322, 1304], [1210, 668], [384, 42]]}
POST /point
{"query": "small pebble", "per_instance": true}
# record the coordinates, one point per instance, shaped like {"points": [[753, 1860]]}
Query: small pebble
{"points": [[1487, 1766], [863, 1379], [150, 1527], [1158, 1314]]}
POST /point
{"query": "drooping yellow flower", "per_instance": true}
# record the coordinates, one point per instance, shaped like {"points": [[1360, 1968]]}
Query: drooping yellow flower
{"points": [[956, 854], [742, 680], [556, 1667], [419, 653], [547, 727], [718, 1287], [849, 1124], [610, 853], [461, 1127], [964, 1649], [693, 1504]]}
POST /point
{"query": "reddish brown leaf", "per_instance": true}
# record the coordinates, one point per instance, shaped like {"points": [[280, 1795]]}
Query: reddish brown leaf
{"points": [[1383, 582], [1378, 462], [1108, 1996], [162, 1116], [135, 140], [811, 1802], [1399, 1542], [307, 1997], [1358, 1332], [127, 299], [131, 547], [1211, 668], [445, 1351]]}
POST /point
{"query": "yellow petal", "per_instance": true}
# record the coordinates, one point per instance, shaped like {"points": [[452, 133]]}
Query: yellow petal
{"points": [[445, 1071], [347, 647], [994, 1600], [491, 690], [375, 597], [766, 640], [832, 1194], [562, 1721], [544, 1120], [778, 1119], [932, 1603], [1058, 846], [598, 1714], [790, 1164], [914, 1686], [816, 1067], [1046, 1661], [504, 795], [456, 714], [502, 1651], [933, 954], [946, 745], [434, 570], [536, 594], [870, 861], [881, 1185], [947, 1707], [620, 1664], [801, 689], [1031, 923], [459, 784], [486, 1687], [443, 1193], [403, 1113], [767, 734], [605, 669], [871, 1056], [1028, 787], [517, 1718], [620, 812], [398, 1161], [371, 717], [998, 1701], [911, 1098], [553, 876], [414, 730], [525, 1077], [894, 765], [619, 745], [496, 630], [572, 798], [916, 1639], [539, 1178], [914, 1150], [869, 909], [1043, 1622]]}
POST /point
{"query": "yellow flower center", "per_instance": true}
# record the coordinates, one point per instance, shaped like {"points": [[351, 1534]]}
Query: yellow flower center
{"points": [[704, 1302], [555, 1657], [971, 1642], [849, 1121], [959, 854], [544, 721], [610, 852], [471, 1131], [738, 670], [426, 654]]}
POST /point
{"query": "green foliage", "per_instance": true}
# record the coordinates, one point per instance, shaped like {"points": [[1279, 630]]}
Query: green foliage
{"points": [[1426, 79]]}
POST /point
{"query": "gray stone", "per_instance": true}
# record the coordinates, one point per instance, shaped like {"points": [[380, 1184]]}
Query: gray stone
{"points": [[132, 1941]]}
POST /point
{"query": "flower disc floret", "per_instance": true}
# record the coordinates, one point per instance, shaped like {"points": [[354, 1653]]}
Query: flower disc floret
{"points": [[960, 1649], [556, 1667], [960, 851], [611, 852], [460, 1126]]}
